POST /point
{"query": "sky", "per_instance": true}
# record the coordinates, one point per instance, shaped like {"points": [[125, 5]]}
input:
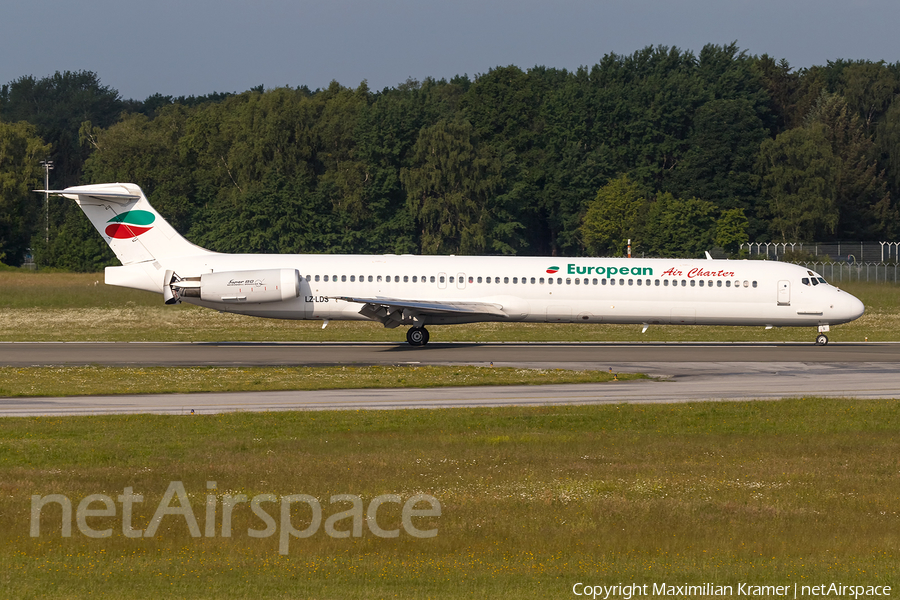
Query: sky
{"points": [[195, 47]]}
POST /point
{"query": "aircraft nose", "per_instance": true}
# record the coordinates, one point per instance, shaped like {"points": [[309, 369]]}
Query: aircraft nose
{"points": [[851, 307]]}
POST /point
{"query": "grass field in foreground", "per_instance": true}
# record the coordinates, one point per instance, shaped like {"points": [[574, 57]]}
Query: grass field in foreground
{"points": [[533, 500], [80, 307], [76, 381]]}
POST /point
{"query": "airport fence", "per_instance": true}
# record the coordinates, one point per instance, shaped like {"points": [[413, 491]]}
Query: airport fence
{"points": [[826, 252], [839, 272]]}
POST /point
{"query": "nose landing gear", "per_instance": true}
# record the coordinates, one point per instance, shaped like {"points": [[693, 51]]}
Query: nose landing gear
{"points": [[821, 339], [417, 336]]}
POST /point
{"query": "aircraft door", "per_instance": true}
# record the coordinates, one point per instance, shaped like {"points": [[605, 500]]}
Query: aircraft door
{"points": [[784, 293], [461, 281]]}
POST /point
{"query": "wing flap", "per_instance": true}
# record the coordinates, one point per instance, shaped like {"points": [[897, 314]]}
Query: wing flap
{"points": [[429, 307]]}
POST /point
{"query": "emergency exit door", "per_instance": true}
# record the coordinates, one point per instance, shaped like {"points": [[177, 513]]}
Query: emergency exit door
{"points": [[784, 293]]}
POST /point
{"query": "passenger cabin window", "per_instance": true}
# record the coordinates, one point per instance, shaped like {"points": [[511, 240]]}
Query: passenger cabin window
{"points": [[516, 280], [406, 279], [432, 279], [506, 280], [370, 279], [542, 281], [532, 280], [317, 277]]}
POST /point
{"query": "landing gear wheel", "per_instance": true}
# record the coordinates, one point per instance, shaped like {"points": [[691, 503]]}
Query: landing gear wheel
{"points": [[417, 336], [821, 339]]}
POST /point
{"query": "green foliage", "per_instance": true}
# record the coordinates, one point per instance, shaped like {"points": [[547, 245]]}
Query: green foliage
{"points": [[798, 175], [731, 230], [679, 227], [449, 186], [616, 215], [512, 161], [20, 173]]}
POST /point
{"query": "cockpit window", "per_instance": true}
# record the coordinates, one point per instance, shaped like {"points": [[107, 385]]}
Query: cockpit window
{"points": [[805, 281], [822, 280]]}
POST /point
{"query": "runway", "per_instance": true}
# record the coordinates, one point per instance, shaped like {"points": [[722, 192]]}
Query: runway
{"points": [[584, 355], [681, 372]]}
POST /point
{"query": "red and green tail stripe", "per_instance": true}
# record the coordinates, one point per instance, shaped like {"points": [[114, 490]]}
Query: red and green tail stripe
{"points": [[130, 224]]}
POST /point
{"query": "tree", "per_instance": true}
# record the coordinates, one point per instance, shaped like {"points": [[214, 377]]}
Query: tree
{"points": [[731, 230], [679, 227], [722, 149], [20, 173], [797, 170], [887, 141], [57, 106], [615, 215], [859, 188], [448, 189]]}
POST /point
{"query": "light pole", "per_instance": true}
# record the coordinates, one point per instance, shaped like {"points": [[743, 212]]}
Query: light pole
{"points": [[48, 166]]}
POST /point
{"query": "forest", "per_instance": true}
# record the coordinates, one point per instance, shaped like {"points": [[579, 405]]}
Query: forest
{"points": [[677, 151]]}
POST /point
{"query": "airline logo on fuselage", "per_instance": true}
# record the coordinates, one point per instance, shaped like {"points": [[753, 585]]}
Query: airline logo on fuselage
{"points": [[573, 269], [130, 224]]}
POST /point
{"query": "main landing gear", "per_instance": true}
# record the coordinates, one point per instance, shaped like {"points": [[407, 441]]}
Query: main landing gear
{"points": [[417, 336], [821, 339]]}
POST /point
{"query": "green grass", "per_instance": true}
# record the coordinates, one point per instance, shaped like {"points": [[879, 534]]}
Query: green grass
{"points": [[76, 381], [80, 307], [533, 499]]}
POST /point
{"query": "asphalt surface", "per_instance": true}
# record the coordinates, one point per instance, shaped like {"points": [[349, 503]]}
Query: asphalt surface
{"points": [[682, 372], [559, 355]]}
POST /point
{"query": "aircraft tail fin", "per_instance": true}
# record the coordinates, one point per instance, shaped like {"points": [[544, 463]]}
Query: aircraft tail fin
{"points": [[133, 229]]}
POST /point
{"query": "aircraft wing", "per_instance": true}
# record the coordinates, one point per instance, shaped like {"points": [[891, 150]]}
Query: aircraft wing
{"points": [[388, 310]]}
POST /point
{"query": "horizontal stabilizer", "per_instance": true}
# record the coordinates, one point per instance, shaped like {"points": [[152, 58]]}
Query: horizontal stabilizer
{"points": [[93, 192]]}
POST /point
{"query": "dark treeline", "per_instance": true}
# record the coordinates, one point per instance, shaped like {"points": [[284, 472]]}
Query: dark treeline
{"points": [[679, 152]]}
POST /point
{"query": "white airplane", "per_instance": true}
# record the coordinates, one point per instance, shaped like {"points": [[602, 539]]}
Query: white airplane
{"points": [[442, 290]]}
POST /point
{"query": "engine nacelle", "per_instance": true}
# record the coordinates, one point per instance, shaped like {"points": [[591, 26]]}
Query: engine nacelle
{"points": [[269, 285]]}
